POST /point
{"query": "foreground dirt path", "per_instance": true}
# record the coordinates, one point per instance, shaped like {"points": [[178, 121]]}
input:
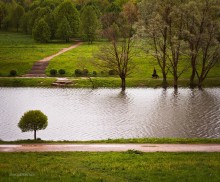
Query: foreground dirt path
{"points": [[111, 147], [38, 69]]}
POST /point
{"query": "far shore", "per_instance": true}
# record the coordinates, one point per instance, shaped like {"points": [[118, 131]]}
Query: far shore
{"points": [[100, 82]]}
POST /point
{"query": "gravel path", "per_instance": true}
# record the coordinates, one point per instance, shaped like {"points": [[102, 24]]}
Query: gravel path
{"points": [[111, 147]]}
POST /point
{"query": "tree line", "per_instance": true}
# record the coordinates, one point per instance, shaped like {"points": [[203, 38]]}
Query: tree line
{"points": [[182, 35]]}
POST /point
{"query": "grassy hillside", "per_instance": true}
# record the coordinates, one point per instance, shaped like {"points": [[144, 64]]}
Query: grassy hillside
{"points": [[19, 52]]}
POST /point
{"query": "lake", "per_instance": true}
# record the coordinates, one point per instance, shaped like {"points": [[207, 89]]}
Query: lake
{"points": [[86, 114]]}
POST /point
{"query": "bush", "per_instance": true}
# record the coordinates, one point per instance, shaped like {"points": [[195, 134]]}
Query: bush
{"points": [[112, 72], [53, 72], [85, 72], [32, 121], [78, 72], [62, 72], [94, 73], [102, 72], [13, 73]]}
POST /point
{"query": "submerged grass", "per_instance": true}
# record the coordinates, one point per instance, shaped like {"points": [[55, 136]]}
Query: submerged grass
{"points": [[110, 166]]}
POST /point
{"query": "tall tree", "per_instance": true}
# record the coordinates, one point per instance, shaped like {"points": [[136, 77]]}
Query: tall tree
{"points": [[17, 15], [41, 31], [68, 10], [202, 30], [89, 23], [117, 55], [64, 30], [156, 16]]}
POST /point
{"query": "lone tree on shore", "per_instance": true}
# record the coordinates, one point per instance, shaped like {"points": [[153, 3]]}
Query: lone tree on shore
{"points": [[32, 121]]}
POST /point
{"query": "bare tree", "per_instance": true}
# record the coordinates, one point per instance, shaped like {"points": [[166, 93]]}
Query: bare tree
{"points": [[198, 16], [117, 54]]}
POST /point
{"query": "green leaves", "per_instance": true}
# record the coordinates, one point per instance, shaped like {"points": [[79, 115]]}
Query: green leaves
{"points": [[33, 120], [41, 31]]}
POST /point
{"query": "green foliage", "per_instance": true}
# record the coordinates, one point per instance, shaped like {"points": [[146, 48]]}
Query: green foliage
{"points": [[41, 31], [78, 72], [53, 72], [32, 121], [13, 73], [64, 30], [89, 24], [62, 72], [17, 15], [67, 10]]}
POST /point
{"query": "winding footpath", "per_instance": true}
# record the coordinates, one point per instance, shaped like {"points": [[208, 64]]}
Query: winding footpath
{"points": [[38, 69], [110, 147]]}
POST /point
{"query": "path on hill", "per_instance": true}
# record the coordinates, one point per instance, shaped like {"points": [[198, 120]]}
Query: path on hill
{"points": [[38, 69], [110, 147]]}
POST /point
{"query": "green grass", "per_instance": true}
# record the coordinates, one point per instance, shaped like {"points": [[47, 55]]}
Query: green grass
{"points": [[19, 52], [99, 82], [132, 166], [122, 140], [82, 57], [26, 82]]}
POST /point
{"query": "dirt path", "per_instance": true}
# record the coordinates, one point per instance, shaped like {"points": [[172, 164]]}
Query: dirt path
{"points": [[111, 147], [38, 69]]}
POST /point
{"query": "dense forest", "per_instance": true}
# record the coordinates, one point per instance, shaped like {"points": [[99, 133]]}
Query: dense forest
{"points": [[174, 30]]}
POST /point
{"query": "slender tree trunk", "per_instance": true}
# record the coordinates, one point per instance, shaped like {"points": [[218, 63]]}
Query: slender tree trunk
{"points": [[175, 81], [164, 84], [35, 135], [200, 84], [193, 74], [123, 84]]}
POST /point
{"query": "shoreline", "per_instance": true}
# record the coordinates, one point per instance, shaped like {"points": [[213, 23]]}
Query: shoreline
{"points": [[122, 141], [99, 82]]}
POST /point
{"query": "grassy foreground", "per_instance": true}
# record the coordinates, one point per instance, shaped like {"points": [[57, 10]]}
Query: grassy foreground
{"points": [[124, 141], [127, 166]]}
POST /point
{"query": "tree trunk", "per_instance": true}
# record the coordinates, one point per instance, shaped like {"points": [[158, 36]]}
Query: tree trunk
{"points": [[164, 84], [193, 74], [200, 84], [123, 84], [35, 135], [175, 82]]}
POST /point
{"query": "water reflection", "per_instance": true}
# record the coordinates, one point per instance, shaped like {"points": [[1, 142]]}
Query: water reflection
{"points": [[85, 114]]}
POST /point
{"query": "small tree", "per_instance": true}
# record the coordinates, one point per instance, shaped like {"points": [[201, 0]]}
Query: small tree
{"points": [[32, 121], [41, 31]]}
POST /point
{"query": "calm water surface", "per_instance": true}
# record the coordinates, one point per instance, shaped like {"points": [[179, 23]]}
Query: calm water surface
{"points": [[85, 114]]}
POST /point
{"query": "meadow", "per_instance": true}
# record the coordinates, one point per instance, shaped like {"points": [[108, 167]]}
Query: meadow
{"points": [[19, 52], [111, 166]]}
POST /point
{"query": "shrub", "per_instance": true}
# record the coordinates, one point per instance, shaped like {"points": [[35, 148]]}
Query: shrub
{"points": [[112, 72], [62, 72], [102, 72], [85, 72], [32, 121], [94, 73], [53, 72], [78, 72], [13, 73]]}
